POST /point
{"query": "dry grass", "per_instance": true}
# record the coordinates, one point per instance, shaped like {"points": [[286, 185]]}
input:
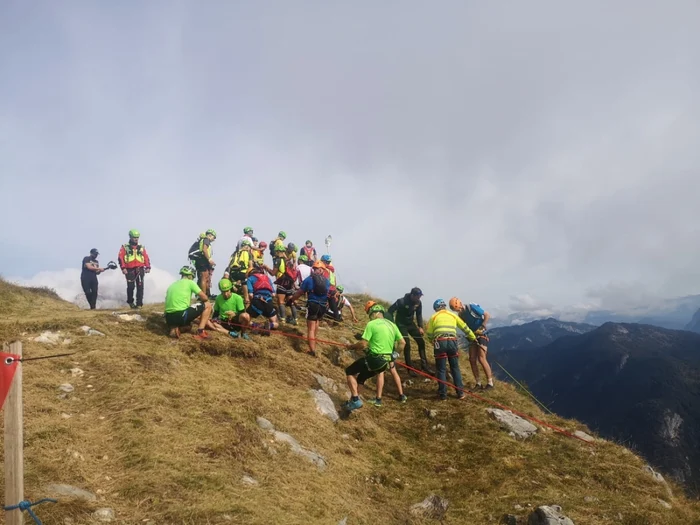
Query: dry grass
{"points": [[167, 430]]}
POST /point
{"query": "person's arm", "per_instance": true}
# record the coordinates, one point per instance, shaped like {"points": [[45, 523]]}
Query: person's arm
{"points": [[487, 316], [93, 267], [146, 259], [392, 309], [463, 326], [429, 333], [352, 311], [419, 316], [120, 258]]}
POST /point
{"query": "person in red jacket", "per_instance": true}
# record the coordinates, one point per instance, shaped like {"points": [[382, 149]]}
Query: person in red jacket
{"points": [[134, 262]]}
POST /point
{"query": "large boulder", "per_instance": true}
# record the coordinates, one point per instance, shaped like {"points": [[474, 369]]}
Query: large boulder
{"points": [[282, 437], [516, 426], [324, 405], [433, 507]]}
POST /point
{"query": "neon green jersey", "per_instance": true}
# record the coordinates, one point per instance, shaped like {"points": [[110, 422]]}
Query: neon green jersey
{"points": [[382, 335], [179, 295], [232, 304]]}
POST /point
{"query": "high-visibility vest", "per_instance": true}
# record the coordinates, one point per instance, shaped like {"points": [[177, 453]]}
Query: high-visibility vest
{"points": [[133, 255]]}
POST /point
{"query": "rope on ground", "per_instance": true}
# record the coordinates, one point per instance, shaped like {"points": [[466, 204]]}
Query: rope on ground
{"points": [[27, 505], [527, 391], [420, 372]]}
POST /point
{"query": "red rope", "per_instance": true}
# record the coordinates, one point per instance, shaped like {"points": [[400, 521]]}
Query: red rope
{"points": [[483, 399]]}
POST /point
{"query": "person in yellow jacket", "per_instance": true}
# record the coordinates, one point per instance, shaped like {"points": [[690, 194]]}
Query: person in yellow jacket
{"points": [[442, 334]]}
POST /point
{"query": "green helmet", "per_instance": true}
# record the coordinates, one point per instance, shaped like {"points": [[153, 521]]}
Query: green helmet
{"points": [[248, 230], [187, 270], [282, 235], [340, 288], [377, 308], [225, 285], [303, 258], [246, 242], [134, 233], [211, 232]]}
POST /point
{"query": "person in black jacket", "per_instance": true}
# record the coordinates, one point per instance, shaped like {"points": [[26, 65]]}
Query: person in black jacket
{"points": [[88, 277], [403, 311]]}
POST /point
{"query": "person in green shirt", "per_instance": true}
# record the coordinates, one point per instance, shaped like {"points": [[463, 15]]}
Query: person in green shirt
{"points": [[179, 313], [229, 312], [379, 340]]}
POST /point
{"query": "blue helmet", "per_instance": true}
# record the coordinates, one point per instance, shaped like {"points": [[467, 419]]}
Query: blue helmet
{"points": [[439, 304], [326, 258]]}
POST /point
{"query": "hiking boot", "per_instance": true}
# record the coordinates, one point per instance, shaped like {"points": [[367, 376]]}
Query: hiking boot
{"points": [[489, 387], [245, 336], [377, 402], [202, 335], [427, 370], [293, 322], [132, 306], [403, 398], [311, 353], [442, 398], [234, 334], [352, 405], [412, 373], [477, 386], [461, 396]]}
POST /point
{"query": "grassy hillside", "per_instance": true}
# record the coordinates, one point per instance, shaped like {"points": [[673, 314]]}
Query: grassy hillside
{"points": [[164, 431]]}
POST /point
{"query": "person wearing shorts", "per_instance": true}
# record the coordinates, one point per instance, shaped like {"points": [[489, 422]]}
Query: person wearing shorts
{"points": [[316, 288], [476, 319], [179, 313], [260, 291], [229, 316], [379, 340]]}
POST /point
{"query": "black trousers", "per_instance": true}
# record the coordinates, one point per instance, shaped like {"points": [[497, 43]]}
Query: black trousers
{"points": [[333, 306], [89, 283], [134, 279], [412, 330]]}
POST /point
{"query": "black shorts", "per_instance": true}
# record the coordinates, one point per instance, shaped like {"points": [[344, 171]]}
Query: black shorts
{"points": [[315, 311], [367, 367], [230, 324], [184, 317], [259, 306], [285, 285]]}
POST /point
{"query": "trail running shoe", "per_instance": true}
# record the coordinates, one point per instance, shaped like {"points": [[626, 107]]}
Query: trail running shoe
{"points": [[353, 405], [202, 335], [461, 395], [442, 398], [488, 387], [245, 336], [234, 334], [377, 402], [403, 398]]}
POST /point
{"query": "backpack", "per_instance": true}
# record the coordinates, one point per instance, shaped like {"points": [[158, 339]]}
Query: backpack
{"points": [[195, 253], [320, 285], [262, 283], [474, 316]]}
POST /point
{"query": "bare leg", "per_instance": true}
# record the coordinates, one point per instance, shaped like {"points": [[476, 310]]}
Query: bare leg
{"points": [[273, 322], [352, 385], [244, 321], [212, 325], [397, 378], [485, 364], [473, 356], [380, 385], [312, 326], [206, 314]]}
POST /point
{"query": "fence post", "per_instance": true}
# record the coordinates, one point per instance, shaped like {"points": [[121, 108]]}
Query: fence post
{"points": [[14, 442]]}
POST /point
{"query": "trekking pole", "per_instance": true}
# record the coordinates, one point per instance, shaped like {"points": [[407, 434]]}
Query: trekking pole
{"points": [[527, 391]]}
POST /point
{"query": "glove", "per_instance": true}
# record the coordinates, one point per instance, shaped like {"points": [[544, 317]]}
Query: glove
{"points": [[358, 337]]}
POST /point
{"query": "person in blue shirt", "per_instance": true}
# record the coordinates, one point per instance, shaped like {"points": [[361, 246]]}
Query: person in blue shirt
{"points": [[316, 287], [261, 292]]}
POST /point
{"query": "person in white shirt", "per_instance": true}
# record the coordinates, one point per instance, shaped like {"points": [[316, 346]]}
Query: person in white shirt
{"points": [[247, 235], [303, 271]]}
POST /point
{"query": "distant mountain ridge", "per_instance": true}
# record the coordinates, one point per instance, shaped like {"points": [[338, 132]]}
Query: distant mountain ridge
{"points": [[631, 382], [534, 334], [694, 324]]}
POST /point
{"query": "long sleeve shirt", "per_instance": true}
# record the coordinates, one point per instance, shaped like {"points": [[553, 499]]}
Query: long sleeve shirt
{"points": [[403, 310], [444, 324]]}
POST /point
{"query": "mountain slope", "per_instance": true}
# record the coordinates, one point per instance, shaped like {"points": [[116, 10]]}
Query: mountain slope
{"points": [[635, 383], [694, 324], [164, 431], [532, 335]]}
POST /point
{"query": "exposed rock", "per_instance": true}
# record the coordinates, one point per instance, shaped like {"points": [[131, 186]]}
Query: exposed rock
{"points": [[432, 414], [344, 521], [90, 331], [282, 437], [671, 428], [104, 515], [48, 337], [590, 499], [326, 383], [655, 475], [517, 426], [582, 435], [548, 515], [59, 489], [324, 405], [664, 504], [432, 507], [66, 387], [129, 317], [517, 506], [248, 480], [265, 424], [76, 372]]}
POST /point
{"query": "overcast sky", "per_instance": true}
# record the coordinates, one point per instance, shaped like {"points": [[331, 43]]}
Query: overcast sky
{"points": [[507, 152]]}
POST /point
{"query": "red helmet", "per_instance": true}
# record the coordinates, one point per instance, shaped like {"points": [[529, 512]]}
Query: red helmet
{"points": [[262, 245]]}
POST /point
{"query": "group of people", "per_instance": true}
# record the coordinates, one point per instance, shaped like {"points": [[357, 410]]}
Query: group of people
{"points": [[250, 288]]}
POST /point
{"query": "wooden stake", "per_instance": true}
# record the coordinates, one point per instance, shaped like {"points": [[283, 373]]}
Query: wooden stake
{"points": [[14, 442]]}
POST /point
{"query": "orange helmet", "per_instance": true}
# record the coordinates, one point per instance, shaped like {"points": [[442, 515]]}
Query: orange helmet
{"points": [[456, 305], [319, 264], [368, 305]]}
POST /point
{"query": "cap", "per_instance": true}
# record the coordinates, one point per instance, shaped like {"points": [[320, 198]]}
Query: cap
{"points": [[94, 251], [416, 291]]}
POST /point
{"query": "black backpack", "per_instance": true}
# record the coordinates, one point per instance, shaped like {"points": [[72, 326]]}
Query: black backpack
{"points": [[320, 284]]}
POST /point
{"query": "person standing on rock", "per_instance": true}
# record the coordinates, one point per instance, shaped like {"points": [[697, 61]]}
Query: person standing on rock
{"points": [[88, 277], [379, 340], [476, 318], [403, 311], [134, 263], [442, 333]]}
